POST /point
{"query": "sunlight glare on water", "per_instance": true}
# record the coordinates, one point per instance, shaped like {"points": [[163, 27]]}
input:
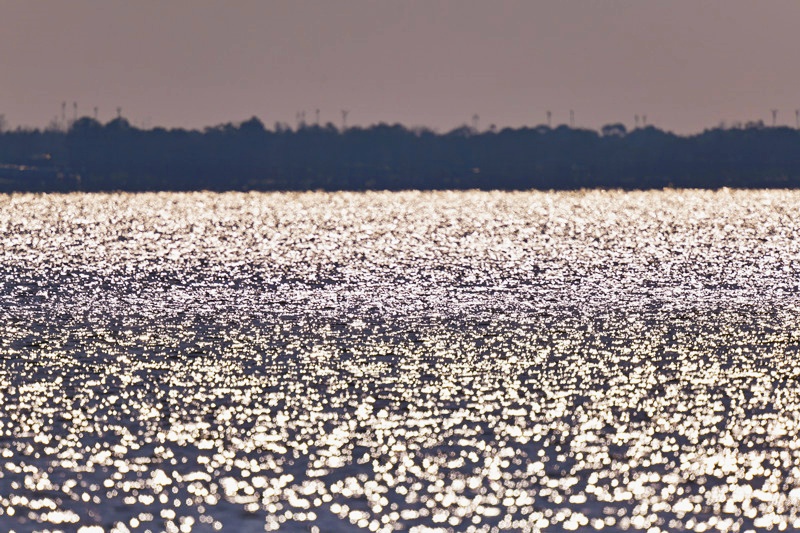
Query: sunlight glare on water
{"points": [[454, 361]]}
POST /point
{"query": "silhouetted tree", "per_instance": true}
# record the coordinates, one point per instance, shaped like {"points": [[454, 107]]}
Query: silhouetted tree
{"points": [[248, 156]]}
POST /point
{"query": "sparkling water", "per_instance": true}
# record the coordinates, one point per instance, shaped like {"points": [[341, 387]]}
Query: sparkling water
{"points": [[453, 361]]}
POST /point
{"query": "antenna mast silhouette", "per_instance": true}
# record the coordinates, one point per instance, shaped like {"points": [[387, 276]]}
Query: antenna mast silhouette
{"points": [[774, 117], [549, 116], [636, 120], [571, 118], [345, 112], [475, 119], [95, 112], [63, 115], [797, 118]]}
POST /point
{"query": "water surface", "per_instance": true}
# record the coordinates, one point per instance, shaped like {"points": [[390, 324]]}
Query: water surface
{"points": [[462, 361]]}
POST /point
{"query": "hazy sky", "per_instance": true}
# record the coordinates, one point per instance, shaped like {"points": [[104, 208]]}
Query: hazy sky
{"points": [[686, 64]]}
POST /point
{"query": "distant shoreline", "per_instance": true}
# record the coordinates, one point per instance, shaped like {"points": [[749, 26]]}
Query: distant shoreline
{"points": [[116, 156]]}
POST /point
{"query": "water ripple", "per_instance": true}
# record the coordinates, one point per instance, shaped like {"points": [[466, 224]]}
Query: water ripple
{"points": [[400, 361]]}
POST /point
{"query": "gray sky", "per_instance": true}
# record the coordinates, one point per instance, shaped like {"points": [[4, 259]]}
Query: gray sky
{"points": [[686, 64]]}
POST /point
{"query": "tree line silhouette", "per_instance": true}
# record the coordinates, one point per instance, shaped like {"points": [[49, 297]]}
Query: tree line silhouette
{"points": [[92, 156]]}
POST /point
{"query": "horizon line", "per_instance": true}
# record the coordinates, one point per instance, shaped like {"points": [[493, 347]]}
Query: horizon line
{"points": [[64, 125]]}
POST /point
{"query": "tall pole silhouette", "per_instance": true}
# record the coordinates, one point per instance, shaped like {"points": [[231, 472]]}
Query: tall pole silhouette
{"points": [[549, 117], [64, 115], [774, 117], [345, 112], [475, 119], [571, 118], [797, 118], [636, 121]]}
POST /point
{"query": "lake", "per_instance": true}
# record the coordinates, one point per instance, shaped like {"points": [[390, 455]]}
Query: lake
{"points": [[444, 361]]}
